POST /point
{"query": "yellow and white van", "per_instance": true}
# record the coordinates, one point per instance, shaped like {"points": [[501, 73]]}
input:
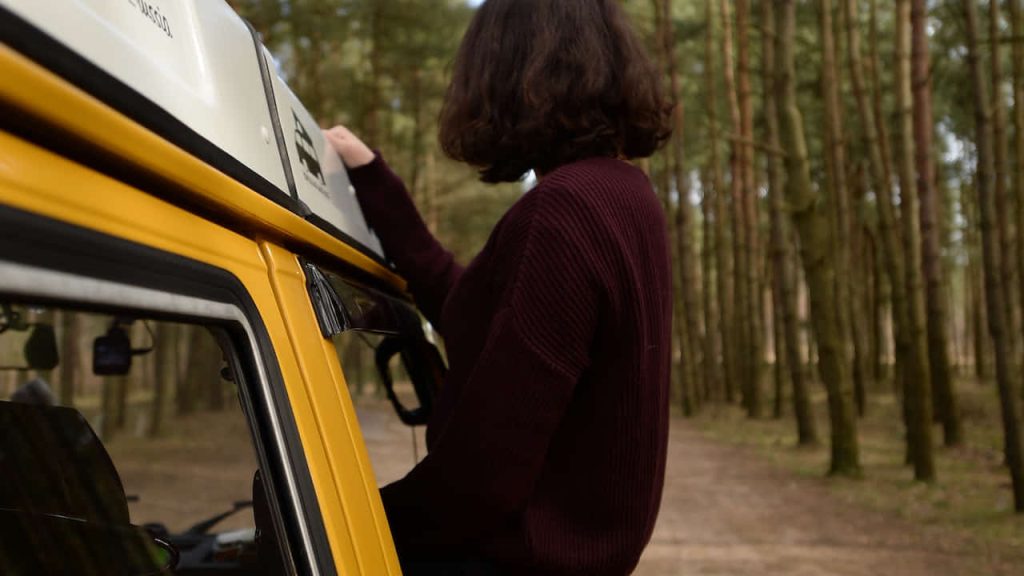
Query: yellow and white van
{"points": [[184, 271]]}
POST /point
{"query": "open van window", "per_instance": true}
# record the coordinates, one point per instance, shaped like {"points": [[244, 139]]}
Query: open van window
{"points": [[387, 353]]}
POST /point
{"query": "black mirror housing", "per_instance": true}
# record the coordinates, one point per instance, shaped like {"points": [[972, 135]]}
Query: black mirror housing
{"points": [[112, 353], [41, 348]]}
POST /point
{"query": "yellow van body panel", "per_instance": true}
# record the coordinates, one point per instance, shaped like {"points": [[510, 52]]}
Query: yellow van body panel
{"points": [[335, 414], [37, 92], [36, 180]]}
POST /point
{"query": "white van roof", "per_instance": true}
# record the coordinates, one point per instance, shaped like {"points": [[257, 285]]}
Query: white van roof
{"points": [[197, 74]]}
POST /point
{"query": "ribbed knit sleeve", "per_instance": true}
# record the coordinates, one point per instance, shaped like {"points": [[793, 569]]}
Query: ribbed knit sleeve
{"points": [[427, 266], [482, 469]]}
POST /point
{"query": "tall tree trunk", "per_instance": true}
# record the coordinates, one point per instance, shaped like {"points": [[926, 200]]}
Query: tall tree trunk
{"points": [[109, 406], [683, 209], [1007, 380], [771, 138], [848, 310], [184, 391], [372, 125], [917, 385], [815, 239], [788, 346], [975, 284], [685, 371], [723, 255], [1017, 30], [880, 304], [121, 402], [166, 374], [740, 333], [71, 357], [948, 409], [748, 209], [1003, 202], [881, 183], [712, 366]]}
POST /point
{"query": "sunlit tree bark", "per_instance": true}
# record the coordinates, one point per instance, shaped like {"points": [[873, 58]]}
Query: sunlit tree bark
{"points": [[946, 405], [838, 191], [1006, 379], [917, 384], [788, 345], [818, 261]]}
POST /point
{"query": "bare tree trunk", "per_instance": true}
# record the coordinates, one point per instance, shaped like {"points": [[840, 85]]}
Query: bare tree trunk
{"points": [[683, 212], [1003, 202], [849, 314], [166, 375], [1005, 377], [788, 345], [121, 402], [751, 305], [71, 357], [109, 406], [372, 126], [881, 183], [948, 409], [974, 284], [775, 184], [740, 334], [712, 367], [1017, 30], [685, 369], [880, 311], [723, 256], [815, 239], [184, 392], [917, 385]]}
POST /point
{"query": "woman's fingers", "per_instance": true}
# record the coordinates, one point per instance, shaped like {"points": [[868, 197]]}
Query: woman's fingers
{"points": [[354, 153]]}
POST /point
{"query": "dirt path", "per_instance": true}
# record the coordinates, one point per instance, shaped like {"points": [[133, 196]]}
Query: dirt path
{"points": [[726, 511]]}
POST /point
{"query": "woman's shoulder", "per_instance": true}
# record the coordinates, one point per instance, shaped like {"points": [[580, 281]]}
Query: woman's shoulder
{"points": [[597, 174], [586, 199], [594, 191]]}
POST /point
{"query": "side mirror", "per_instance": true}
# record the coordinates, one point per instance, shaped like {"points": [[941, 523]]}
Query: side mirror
{"points": [[426, 369], [41, 348]]}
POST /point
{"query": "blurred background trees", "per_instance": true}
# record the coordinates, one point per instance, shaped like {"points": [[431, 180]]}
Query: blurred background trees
{"points": [[844, 189]]}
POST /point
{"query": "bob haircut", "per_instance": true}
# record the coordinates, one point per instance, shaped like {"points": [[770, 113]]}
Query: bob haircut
{"points": [[541, 83]]}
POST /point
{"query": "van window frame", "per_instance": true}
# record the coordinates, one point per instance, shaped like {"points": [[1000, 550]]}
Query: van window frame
{"points": [[53, 247]]}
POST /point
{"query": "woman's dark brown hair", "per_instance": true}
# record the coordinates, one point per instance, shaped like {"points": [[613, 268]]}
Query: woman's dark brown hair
{"points": [[542, 83]]}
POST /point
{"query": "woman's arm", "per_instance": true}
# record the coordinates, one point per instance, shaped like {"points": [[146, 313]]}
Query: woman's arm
{"points": [[427, 266]]}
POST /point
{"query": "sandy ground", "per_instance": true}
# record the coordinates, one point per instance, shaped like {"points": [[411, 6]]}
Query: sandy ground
{"points": [[726, 511]]}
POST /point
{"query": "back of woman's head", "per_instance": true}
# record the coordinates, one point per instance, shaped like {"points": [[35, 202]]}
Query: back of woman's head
{"points": [[542, 83]]}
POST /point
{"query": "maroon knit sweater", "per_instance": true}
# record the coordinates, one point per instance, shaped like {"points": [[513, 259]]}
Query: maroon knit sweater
{"points": [[547, 444]]}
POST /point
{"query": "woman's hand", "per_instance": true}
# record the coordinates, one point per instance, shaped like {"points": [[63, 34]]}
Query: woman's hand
{"points": [[351, 149]]}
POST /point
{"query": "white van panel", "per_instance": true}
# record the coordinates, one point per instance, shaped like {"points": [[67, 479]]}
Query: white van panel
{"points": [[196, 59]]}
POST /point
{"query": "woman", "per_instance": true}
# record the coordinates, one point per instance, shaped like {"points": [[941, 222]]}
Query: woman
{"points": [[547, 444]]}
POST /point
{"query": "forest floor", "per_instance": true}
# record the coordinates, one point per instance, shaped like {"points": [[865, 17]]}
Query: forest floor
{"points": [[739, 501]]}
